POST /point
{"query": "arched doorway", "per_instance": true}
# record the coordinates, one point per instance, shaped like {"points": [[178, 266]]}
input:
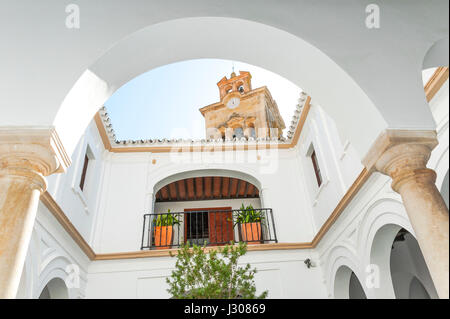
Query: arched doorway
{"points": [[55, 289], [410, 275], [398, 259], [347, 285]]}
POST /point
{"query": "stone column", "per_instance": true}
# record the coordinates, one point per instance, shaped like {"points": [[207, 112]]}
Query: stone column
{"points": [[403, 155], [26, 157]]}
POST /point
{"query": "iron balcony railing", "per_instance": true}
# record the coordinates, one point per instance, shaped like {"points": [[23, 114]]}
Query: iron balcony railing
{"points": [[210, 227]]}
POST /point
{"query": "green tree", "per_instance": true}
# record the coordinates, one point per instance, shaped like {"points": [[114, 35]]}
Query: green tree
{"points": [[212, 275]]}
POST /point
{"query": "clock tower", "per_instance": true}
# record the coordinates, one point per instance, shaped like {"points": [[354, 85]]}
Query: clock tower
{"points": [[242, 111]]}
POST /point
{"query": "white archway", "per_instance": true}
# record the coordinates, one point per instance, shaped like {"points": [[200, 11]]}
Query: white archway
{"points": [[362, 57], [171, 41], [188, 173], [341, 263], [381, 222], [59, 270], [347, 285], [170, 173], [407, 265], [397, 261], [166, 177], [380, 257]]}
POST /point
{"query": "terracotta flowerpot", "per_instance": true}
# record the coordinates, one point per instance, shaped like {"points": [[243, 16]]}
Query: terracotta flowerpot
{"points": [[251, 233], [163, 237]]}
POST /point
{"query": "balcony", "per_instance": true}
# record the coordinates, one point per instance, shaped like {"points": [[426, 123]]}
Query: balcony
{"points": [[213, 227]]}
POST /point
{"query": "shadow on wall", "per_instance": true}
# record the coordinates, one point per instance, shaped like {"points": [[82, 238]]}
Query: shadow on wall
{"points": [[356, 291], [55, 289]]}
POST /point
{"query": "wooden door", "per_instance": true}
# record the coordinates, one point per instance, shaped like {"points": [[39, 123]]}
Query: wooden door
{"points": [[219, 224]]}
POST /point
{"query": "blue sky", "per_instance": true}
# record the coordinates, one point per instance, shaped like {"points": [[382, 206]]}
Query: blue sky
{"points": [[164, 102]]}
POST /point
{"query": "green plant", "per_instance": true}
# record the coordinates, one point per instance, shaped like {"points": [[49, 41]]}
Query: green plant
{"points": [[166, 220], [212, 275], [248, 215]]}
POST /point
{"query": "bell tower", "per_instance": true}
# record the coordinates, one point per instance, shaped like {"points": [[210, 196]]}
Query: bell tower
{"points": [[242, 111]]}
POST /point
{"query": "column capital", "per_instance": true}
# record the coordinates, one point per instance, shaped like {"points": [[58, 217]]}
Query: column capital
{"points": [[27, 155], [402, 155], [31, 153], [405, 150]]}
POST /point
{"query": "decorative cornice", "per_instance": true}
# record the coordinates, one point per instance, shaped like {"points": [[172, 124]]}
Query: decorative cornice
{"points": [[389, 139], [102, 131], [299, 119], [168, 252]]}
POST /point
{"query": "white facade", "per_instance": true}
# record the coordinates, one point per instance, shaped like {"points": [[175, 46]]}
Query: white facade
{"points": [[120, 189]]}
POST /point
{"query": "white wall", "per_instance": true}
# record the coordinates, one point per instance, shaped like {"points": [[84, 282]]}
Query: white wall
{"points": [[283, 273], [338, 161], [52, 253], [81, 206], [129, 190]]}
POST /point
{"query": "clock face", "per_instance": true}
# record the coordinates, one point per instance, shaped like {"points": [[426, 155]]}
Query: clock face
{"points": [[233, 102]]}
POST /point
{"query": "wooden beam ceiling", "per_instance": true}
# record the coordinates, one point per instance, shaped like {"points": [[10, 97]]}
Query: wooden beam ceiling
{"points": [[206, 188]]}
